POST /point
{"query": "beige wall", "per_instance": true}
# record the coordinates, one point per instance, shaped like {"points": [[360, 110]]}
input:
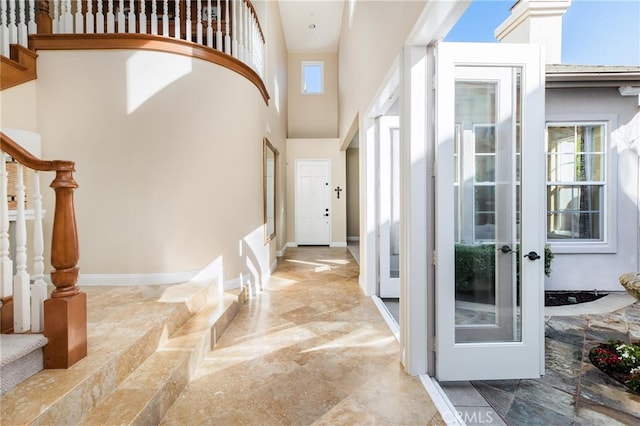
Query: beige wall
{"points": [[370, 41], [319, 149], [276, 82], [168, 184], [313, 116], [353, 192], [18, 107]]}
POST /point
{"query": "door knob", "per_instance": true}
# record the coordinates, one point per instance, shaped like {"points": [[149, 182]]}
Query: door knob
{"points": [[326, 214], [505, 249], [532, 255]]}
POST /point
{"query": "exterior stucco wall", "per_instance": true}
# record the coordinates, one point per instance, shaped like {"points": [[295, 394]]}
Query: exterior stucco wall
{"points": [[588, 271]]}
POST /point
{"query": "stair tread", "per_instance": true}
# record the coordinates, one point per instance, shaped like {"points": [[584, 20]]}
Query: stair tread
{"points": [[118, 344], [15, 346], [149, 391]]}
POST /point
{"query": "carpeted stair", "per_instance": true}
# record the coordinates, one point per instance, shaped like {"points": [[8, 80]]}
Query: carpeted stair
{"points": [[21, 357]]}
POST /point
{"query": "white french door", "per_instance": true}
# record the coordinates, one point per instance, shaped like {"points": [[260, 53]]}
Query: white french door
{"points": [[489, 211], [389, 206], [313, 202]]}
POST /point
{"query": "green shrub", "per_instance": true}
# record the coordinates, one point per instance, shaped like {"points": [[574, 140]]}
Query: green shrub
{"points": [[475, 265]]}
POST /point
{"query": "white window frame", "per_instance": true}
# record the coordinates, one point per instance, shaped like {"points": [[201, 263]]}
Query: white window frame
{"points": [[304, 64], [608, 243]]}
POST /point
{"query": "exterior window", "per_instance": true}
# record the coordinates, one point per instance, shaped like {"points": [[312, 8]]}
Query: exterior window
{"points": [[312, 78], [576, 182]]}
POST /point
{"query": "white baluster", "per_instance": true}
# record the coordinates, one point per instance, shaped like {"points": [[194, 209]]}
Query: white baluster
{"points": [[68, 18], [22, 23], [165, 19], [247, 33], [234, 42], [79, 23], [187, 23], [89, 23], [111, 19], [55, 21], [121, 19], [39, 287], [240, 28], [199, 20], [32, 27], [131, 18], [100, 17], [143, 17], [176, 21], [154, 17], [218, 27], [13, 27], [227, 36], [4, 29], [6, 265], [209, 27], [21, 290]]}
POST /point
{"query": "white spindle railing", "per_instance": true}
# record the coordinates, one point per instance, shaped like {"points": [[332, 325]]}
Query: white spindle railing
{"points": [[21, 289], [39, 287], [237, 31], [28, 299], [6, 264]]}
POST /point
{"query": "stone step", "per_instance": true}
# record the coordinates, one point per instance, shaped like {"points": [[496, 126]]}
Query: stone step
{"points": [[125, 327], [148, 393]]}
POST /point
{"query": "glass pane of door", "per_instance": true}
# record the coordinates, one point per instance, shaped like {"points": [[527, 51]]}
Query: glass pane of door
{"points": [[486, 280]]}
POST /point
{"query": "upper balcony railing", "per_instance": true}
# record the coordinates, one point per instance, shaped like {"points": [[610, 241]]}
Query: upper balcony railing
{"points": [[229, 26]]}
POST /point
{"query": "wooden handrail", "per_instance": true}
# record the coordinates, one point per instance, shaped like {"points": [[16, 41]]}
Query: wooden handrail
{"points": [[65, 314]]}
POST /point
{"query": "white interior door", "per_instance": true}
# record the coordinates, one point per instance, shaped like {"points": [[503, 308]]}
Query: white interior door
{"points": [[489, 231], [313, 202], [389, 206]]}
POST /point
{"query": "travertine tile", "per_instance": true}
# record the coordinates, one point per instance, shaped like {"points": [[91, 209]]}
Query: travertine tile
{"points": [[309, 349]]}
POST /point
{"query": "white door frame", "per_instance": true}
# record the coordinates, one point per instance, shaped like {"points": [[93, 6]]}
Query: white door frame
{"points": [[389, 287]]}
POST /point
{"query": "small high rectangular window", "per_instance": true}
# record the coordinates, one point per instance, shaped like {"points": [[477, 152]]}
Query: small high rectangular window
{"points": [[312, 78]]}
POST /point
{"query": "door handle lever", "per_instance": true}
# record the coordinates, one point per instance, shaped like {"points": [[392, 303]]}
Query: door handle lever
{"points": [[532, 255]]}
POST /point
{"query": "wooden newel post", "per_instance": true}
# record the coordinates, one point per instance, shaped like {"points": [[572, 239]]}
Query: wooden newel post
{"points": [[43, 18], [65, 312]]}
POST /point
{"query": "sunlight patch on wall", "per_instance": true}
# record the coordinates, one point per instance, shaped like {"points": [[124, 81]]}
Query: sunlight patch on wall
{"points": [[150, 72], [276, 95], [352, 11]]}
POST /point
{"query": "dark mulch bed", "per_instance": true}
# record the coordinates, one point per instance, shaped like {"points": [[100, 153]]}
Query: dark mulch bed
{"points": [[551, 298], [561, 298]]}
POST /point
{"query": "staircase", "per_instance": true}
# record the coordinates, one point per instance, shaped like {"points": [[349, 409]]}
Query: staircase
{"points": [[21, 356], [144, 344]]}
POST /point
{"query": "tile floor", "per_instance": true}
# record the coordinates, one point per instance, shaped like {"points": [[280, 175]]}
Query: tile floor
{"points": [[309, 349], [572, 392]]}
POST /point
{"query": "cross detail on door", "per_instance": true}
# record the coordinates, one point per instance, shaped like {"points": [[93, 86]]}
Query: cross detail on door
{"points": [[338, 191]]}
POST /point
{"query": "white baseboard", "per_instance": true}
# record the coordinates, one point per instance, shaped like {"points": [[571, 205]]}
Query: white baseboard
{"points": [[280, 253], [353, 238], [338, 244], [445, 407], [135, 279], [291, 244], [388, 318], [274, 265], [119, 280], [236, 282]]}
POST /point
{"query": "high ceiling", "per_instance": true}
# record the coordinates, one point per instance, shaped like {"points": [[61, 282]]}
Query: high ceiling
{"points": [[311, 25]]}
